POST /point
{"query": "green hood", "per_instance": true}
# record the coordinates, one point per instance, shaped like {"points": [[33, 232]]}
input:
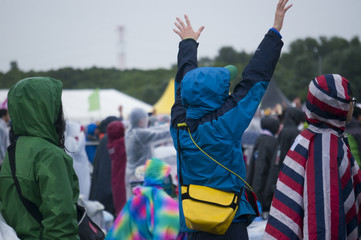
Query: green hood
{"points": [[36, 100]]}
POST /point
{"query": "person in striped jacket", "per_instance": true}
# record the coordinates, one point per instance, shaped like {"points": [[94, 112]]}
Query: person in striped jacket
{"points": [[318, 194]]}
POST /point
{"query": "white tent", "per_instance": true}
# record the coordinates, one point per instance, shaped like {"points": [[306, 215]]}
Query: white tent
{"points": [[76, 104], [3, 95]]}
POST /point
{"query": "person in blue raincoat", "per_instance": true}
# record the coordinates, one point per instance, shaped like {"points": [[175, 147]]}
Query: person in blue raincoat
{"points": [[217, 120]]}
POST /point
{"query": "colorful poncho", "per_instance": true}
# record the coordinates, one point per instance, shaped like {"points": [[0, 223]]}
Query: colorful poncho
{"points": [[318, 193], [150, 213]]}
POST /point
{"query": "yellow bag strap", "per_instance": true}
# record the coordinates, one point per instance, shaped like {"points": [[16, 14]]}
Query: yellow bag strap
{"points": [[229, 170]]}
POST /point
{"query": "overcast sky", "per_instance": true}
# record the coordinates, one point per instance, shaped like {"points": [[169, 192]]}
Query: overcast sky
{"points": [[51, 34]]}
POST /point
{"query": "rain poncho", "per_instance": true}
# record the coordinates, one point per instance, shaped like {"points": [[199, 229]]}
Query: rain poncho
{"points": [[4, 139], [150, 213], [101, 188], [139, 142], [116, 149], [44, 171], [318, 193], [75, 147]]}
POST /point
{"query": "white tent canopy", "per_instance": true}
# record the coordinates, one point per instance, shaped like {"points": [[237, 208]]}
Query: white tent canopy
{"points": [[76, 104]]}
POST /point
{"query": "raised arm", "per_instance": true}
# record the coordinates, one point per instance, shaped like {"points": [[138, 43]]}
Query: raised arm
{"points": [[187, 61], [187, 54], [255, 77]]}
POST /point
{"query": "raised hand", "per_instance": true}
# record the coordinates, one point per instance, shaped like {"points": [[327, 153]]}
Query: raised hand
{"points": [[185, 30], [280, 13]]}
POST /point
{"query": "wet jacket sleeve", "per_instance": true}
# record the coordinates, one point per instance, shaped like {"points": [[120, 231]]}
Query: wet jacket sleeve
{"points": [[151, 135], [187, 61], [240, 107], [59, 192]]}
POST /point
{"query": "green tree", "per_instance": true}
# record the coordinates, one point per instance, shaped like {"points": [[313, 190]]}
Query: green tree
{"points": [[304, 60]]}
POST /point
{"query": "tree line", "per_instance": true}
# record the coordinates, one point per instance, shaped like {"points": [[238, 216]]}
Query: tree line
{"points": [[304, 60]]}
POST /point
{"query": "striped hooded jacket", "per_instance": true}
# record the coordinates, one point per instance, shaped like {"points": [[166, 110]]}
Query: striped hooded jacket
{"points": [[318, 193]]}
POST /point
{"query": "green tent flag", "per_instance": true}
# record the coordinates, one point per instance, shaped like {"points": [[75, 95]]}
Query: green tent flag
{"points": [[94, 101]]}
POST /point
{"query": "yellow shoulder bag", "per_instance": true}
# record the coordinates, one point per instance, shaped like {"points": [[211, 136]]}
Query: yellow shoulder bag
{"points": [[207, 209]]}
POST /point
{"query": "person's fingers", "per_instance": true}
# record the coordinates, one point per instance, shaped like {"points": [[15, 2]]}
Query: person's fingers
{"points": [[181, 22], [284, 7], [284, 3], [198, 33], [187, 21], [288, 7], [177, 23], [200, 30], [178, 26], [177, 32]]}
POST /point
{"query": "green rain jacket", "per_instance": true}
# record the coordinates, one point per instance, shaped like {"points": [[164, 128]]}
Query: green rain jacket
{"points": [[44, 171]]}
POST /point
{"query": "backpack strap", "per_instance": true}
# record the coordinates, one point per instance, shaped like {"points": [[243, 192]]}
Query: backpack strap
{"points": [[32, 208]]}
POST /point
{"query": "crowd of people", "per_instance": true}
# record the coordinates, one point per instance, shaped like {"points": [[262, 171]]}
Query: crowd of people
{"points": [[276, 136], [60, 162], [303, 162]]}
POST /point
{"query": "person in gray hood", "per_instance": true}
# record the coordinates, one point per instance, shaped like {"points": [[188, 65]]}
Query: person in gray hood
{"points": [[139, 142]]}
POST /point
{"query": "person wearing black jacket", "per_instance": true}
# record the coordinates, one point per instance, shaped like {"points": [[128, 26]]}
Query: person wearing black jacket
{"points": [[262, 158], [293, 117], [101, 188]]}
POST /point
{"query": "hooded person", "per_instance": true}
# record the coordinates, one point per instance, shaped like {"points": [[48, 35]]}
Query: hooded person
{"points": [[263, 157], [318, 194], [92, 135], [293, 117], [75, 147], [104, 124], [101, 186], [116, 149], [140, 141], [216, 120], [44, 171], [150, 213]]}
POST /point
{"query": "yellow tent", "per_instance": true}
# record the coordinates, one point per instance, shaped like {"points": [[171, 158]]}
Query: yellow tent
{"points": [[165, 102]]}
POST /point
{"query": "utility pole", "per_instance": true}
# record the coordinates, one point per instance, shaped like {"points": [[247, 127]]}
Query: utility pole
{"points": [[121, 31]]}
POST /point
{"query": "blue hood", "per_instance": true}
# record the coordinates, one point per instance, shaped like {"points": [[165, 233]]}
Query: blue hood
{"points": [[204, 90]]}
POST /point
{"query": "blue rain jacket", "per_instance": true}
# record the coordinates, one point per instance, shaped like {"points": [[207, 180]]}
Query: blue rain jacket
{"points": [[216, 119]]}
